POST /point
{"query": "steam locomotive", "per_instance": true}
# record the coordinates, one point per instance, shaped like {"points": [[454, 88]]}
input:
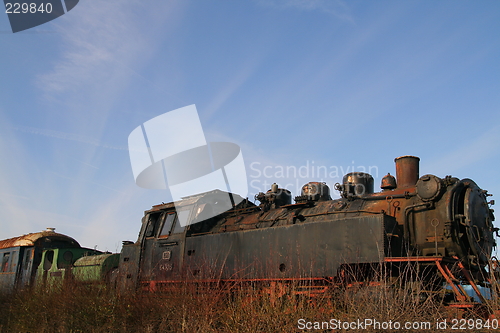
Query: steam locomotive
{"points": [[440, 228]]}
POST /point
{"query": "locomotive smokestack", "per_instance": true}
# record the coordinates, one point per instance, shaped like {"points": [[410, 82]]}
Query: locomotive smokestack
{"points": [[406, 170]]}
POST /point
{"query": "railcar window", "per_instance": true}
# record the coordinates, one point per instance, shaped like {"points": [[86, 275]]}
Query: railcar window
{"points": [[5, 262], [66, 260], [167, 226], [27, 257], [49, 258], [154, 220], [14, 258], [68, 256]]}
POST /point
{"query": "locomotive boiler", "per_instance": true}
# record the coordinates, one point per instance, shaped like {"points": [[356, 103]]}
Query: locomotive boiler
{"points": [[441, 225]]}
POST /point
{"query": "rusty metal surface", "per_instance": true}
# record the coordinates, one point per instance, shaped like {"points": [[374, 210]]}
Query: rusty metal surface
{"points": [[287, 251], [357, 184], [33, 238], [388, 182], [407, 170]]}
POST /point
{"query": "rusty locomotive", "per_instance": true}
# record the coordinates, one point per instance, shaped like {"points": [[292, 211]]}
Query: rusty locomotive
{"points": [[440, 228]]}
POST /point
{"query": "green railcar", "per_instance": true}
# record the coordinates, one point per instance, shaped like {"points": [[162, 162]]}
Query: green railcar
{"points": [[95, 269], [57, 264]]}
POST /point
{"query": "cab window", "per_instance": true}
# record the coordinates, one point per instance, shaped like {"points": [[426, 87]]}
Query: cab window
{"points": [[181, 221], [153, 221], [172, 224], [167, 225]]}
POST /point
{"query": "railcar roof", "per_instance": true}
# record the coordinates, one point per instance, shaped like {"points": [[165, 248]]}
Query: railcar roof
{"points": [[31, 239]]}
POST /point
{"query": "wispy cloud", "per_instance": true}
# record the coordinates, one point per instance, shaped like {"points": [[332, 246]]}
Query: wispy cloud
{"points": [[74, 179], [95, 36], [66, 136], [112, 220], [232, 85], [103, 46], [14, 198], [337, 8], [482, 147], [87, 164]]}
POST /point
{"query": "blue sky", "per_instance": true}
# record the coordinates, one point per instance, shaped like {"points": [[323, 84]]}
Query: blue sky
{"points": [[293, 82]]}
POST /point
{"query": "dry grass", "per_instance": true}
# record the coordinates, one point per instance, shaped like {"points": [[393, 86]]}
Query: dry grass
{"points": [[87, 309]]}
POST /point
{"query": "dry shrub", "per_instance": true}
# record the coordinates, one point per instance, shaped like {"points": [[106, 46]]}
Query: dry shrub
{"points": [[189, 309]]}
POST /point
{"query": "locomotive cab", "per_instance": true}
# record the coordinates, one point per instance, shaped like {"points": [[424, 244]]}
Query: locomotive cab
{"points": [[159, 253]]}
